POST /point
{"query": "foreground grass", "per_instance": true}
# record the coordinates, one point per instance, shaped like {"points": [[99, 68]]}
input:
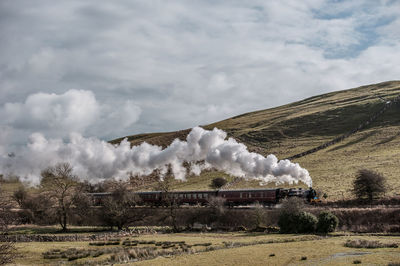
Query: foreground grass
{"points": [[319, 252], [287, 249]]}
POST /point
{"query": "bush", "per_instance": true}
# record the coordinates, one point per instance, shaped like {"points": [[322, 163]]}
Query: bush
{"points": [[288, 222], [307, 223], [292, 205], [302, 222], [218, 182], [327, 222], [369, 184]]}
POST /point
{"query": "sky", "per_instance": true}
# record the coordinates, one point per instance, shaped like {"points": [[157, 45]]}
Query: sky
{"points": [[114, 68]]}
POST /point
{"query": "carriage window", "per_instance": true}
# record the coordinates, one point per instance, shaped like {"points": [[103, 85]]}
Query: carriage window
{"points": [[249, 195], [241, 195], [205, 195], [176, 196], [199, 195], [188, 196], [180, 196], [194, 196]]}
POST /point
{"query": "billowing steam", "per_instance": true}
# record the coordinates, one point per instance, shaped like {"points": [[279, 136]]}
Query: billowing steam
{"points": [[95, 160]]}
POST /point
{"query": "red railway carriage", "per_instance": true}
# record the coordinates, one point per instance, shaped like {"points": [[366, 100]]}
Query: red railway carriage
{"points": [[193, 197], [98, 197], [150, 198], [249, 196], [179, 197]]}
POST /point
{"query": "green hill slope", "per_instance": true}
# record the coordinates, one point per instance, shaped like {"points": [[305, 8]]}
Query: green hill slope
{"points": [[297, 127]]}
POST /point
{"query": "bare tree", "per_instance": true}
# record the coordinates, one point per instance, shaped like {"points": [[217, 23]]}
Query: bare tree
{"points": [[7, 248], [369, 184], [217, 210], [165, 186], [61, 186], [118, 208], [259, 216]]}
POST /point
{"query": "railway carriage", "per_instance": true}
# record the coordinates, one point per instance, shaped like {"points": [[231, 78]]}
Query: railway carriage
{"points": [[246, 196], [202, 197]]}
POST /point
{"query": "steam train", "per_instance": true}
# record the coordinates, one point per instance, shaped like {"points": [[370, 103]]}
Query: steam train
{"points": [[231, 198]]}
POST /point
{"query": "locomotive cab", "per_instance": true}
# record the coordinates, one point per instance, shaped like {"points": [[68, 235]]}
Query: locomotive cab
{"points": [[311, 196]]}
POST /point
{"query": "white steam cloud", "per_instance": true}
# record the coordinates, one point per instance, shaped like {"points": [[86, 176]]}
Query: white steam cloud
{"points": [[95, 160]]}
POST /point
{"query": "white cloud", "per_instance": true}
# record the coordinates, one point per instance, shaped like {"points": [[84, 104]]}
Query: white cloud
{"points": [[73, 111], [187, 63]]}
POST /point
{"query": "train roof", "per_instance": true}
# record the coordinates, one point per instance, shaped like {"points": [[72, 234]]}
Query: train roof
{"points": [[249, 189], [178, 191]]}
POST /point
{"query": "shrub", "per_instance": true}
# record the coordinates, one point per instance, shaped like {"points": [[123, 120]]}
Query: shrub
{"points": [[292, 205], [327, 222], [218, 182], [307, 223], [288, 222], [302, 222], [369, 184]]}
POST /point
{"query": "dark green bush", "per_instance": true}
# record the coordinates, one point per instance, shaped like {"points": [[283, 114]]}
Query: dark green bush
{"points": [[307, 223], [218, 182], [288, 222], [302, 222], [327, 222]]}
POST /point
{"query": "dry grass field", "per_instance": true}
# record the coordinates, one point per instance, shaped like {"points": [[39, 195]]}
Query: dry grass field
{"points": [[226, 249], [297, 127]]}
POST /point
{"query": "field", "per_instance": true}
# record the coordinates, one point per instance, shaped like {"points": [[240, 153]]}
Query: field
{"points": [[300, 126], [239, 248]]}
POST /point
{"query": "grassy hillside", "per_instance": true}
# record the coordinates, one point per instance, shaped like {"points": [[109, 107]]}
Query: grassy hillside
{"points": [[299, 126]]}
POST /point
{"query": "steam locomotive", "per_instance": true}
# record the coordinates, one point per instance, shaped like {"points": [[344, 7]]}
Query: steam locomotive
{"points": [[231, 198]]}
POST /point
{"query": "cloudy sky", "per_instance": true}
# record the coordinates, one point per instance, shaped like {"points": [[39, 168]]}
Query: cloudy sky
{"points": [[115, 68]]}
